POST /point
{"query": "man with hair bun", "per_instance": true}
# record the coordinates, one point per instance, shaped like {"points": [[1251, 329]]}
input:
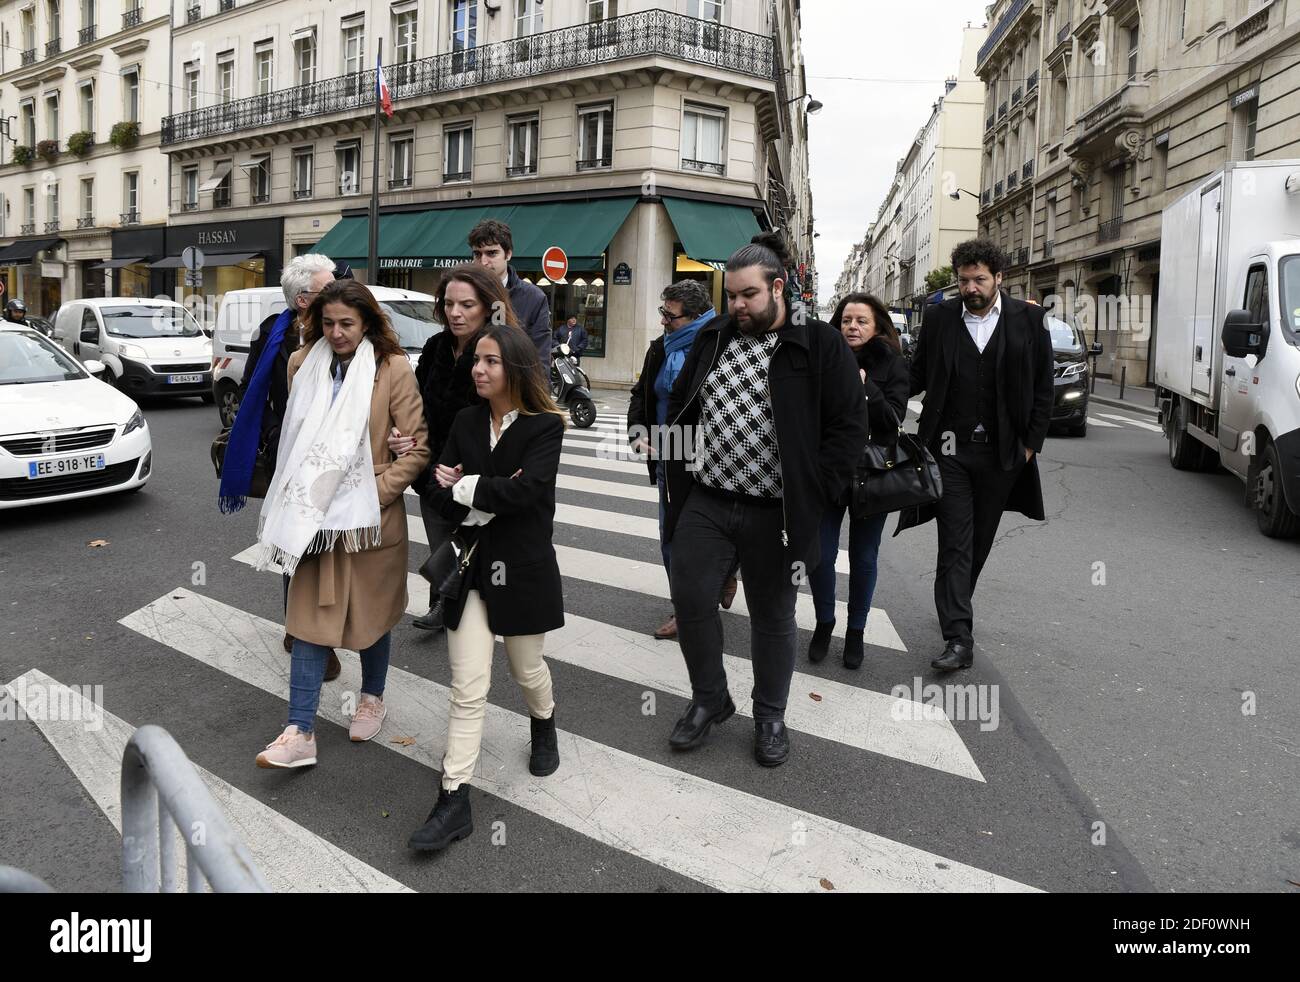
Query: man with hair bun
{"points": [[771, 407]]}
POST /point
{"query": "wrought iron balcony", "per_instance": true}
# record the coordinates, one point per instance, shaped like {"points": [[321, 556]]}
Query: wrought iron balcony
{"points": [[997, 190], [28, 228], [52, 226], [1012, 180], [1016, 96], [86, 34], [1031, 83], [129, 218], [29, 56], [523, 170], [1022, 256], [704, 165], [1063, 33], [260, 197], [1048, 247], [999, 31], [595, 163], [221, 197], [1109, 231], [193, 13], [462, 175], [52, 48], [189, 206], [986, 197], [397, 183], [132, 18], [86, 221], [1002, 110], [300, 193], [226, 5], [648, 33], [1027, 171], [988, 123]]}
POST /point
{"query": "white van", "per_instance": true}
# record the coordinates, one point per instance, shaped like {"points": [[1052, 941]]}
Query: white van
{"points": [[242, 312], [150, 347]]}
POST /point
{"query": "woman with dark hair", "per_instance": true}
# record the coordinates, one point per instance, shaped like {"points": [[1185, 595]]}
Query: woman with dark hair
{"points": [[496, 479], [867, 327], [333, 518], [468, 299]]}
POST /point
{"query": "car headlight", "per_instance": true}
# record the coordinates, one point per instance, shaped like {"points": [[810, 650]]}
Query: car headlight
{"points": [[1072, 370], [134, 423], [132, 351]]}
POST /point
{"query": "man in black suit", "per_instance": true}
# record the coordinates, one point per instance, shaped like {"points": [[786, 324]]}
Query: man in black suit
{"points": [[985, 365]]}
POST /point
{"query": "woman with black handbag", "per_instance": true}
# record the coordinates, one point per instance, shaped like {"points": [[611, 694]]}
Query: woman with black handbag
{"points": [[496, 481], [869, 331]]}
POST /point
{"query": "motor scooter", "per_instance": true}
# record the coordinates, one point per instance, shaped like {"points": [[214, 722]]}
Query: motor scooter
{"points": [[571, 387]]}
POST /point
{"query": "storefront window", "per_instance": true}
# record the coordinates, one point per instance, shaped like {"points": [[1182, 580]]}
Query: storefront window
{"points": [[220, 280], [133, 280], [583, 297]]}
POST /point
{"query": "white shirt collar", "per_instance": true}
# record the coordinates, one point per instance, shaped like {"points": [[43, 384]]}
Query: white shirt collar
{"points": [[993, 313]]}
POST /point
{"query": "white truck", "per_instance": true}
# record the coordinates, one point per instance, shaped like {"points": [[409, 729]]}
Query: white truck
{"points": [[1227, 363]]}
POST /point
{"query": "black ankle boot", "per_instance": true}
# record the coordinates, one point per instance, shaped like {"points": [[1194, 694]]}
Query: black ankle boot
{"points": [[450, 820], [545, 756], [853, 649], [432, 621], [821, 641]]}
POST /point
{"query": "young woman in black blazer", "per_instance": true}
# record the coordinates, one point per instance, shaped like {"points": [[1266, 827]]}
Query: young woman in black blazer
{"points": [[866, 325], [496, 479]]}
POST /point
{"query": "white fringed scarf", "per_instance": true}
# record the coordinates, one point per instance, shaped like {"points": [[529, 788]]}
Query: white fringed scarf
{"points": [[324, 487]]}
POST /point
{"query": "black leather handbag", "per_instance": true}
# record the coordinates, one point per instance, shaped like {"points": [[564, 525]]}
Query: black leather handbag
{"points": [[895, 475], [445, 568], [263, 465]]}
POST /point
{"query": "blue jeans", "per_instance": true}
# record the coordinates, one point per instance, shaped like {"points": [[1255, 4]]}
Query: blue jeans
{"points": [[864, 547], [307, 672]]}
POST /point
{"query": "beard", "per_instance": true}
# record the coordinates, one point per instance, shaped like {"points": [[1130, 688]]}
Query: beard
{"points": [[759, 323], [978, 303]]}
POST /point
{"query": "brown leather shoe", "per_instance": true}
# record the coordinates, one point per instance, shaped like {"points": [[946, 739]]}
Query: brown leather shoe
{"points": [[667, 630], [728, 592], [333, 667]]}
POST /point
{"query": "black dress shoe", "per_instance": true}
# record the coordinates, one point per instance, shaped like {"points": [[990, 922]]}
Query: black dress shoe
{"points": [[954, 656], [545, 756], [450, 820], [771, 742], [432, 621], [694, 726]]}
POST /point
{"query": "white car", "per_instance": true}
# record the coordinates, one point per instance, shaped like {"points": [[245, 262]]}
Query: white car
{"points": [[64, 434]]}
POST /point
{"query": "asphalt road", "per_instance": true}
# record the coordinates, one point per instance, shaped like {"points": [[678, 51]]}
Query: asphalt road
{"points": [[1121, 760]]}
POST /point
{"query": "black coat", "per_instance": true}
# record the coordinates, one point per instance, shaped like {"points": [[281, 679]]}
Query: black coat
{"points": [[447, 387], [277, 396], [818, 413], [643, 405], [534, 314], [1023, 373], [514, 565], [887, 382]]}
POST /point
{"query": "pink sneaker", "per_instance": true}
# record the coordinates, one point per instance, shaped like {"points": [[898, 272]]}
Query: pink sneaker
{"points": [[290, 749], [368, 718]]}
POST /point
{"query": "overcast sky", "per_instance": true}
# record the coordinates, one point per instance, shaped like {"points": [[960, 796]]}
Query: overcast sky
{"points": [[906, 48]]}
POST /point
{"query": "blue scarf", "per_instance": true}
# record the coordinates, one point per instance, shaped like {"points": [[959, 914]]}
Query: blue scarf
{"points": [[676, 347], [246, 434]]}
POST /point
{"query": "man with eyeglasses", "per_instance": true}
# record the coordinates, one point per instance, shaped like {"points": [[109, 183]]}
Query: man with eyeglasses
{"points": [[686, 308]]}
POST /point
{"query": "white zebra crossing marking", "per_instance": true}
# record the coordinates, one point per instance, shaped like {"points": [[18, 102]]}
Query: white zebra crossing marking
{"points": [[1094, 421], [604, 464], [289, 856], [722, 837], [1133, 422]]}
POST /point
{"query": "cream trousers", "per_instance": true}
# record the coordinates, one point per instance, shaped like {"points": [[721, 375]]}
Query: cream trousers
{"points": [[470, 647]]}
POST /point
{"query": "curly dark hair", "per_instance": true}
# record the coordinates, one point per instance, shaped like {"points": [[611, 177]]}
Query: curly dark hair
{"points": [[881, 321], [692, 295], [975, 251], [491, 232]]}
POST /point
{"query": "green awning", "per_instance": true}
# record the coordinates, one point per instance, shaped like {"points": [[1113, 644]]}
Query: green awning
{"points": [[438, 237], [711, 232]]}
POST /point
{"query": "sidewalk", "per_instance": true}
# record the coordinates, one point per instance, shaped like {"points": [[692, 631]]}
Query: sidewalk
{"points": [[611, 400], [1137, 398]]}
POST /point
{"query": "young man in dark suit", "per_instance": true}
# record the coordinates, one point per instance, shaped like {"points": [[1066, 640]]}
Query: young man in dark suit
{"points": [[985, 365]]}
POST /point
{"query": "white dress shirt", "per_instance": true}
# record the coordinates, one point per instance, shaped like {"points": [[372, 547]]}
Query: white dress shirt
{"points": [[981, 328], [462, 492]]}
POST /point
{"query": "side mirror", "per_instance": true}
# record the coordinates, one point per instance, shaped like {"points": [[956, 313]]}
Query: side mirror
{"points": [[1094, 349], [90, 335], [1243, 335], [95, 368]]}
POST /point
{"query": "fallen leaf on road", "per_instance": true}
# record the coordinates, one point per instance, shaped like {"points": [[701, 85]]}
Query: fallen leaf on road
{"points": [[384, 813], [404, 741], [827, 884], [97, 543], [814, 697]]}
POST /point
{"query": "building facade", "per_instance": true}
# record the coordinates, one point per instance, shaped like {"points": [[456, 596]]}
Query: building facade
{"points": [[83, 90], [1099, 115], [931, 204], [648, 140]]}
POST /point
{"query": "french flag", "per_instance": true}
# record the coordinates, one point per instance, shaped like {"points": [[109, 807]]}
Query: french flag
{"points": [[385, 99]]}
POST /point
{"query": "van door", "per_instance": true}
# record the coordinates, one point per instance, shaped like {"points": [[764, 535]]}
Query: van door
{"points": [[1238, 405], [87, 341], [1205, 331]]}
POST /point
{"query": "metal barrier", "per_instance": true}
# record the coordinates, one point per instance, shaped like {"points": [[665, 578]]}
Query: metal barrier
{"points": [[162, 794]]}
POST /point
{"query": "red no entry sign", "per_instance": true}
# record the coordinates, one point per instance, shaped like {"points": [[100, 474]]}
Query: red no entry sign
{"points": [[555, 264]]}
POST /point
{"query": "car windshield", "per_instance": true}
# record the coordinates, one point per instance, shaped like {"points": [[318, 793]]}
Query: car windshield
{"points": [[1065, 340], [413, 321], [150, 322], [1290, 277], [25, 358]]}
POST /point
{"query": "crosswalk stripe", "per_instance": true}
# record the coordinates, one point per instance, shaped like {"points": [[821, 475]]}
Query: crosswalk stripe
{"points": [[1094, 421], [290, 857], [1133, 422], [718, 835], [603, 464]]}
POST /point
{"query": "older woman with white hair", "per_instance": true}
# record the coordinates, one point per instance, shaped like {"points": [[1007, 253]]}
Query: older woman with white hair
{"points": [[264, 391]]}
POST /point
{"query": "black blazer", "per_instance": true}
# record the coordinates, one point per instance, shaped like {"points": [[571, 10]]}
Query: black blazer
{"points": [[514, 566], [643, 404], [277, 396], [886, 382]]}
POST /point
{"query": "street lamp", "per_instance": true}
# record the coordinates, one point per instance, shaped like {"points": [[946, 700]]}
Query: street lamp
{"points": [[813, 107], [956, 195]]}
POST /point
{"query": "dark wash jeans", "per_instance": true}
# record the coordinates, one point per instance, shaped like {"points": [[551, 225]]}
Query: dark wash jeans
{"points": [[711, 534]]}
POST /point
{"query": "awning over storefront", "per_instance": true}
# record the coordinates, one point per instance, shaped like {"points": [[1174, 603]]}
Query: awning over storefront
{"points": [[24, 251], [118, 263], [438, 238], [710, 232], [209, 259]]}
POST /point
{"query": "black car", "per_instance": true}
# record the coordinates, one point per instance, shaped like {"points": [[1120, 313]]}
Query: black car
{"points": [[1070, 397], [41, 324]]}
